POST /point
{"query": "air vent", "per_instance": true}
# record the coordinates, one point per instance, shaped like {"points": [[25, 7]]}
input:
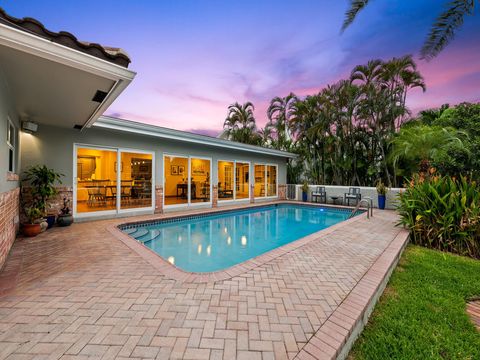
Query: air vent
{"points": [[99, 96], [77, 127]]}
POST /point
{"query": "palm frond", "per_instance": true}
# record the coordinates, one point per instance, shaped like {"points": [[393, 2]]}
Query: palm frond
{"points": [[355, 7], [443, 30]]}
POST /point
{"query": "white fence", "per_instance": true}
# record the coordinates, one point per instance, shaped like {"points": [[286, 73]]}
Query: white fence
{"points": [[294, 192]]}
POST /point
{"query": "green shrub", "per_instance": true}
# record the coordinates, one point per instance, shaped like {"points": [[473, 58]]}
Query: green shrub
{"points": [[443, 213]]}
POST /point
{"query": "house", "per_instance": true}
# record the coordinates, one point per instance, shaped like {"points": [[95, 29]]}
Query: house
{"points": [[54, 90]]}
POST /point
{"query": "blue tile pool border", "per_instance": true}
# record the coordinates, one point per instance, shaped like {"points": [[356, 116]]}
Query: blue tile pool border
{"points": [[174, 219]]}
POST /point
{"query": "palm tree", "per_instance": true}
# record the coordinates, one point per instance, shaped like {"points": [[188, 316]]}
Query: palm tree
{"points": [[442, 31], [280, 113], [240, 124], [420, 144]]}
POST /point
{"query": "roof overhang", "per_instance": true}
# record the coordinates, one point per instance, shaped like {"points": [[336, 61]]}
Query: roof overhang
{"points": [[113, 123], [54, 84]]}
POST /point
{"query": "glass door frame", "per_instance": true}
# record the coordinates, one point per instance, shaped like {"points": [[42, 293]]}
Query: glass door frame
{"points": [[235, 180], [266, 165], [118, 210], [189, 194]]}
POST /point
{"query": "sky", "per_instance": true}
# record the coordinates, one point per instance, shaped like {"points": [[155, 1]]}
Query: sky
{"points": [[193, 58]]}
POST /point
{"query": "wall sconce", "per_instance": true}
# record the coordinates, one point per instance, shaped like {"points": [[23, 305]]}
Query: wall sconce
{"points": [[29, 127]]}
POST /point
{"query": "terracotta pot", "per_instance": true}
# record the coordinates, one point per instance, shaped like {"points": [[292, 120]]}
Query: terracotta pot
{"points": [[31, 230]]}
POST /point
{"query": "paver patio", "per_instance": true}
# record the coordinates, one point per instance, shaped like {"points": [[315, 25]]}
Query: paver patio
{"points": [[79, 292]]}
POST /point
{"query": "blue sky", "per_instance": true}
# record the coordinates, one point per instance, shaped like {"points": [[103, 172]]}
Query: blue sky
{"points": [[194, 58]]}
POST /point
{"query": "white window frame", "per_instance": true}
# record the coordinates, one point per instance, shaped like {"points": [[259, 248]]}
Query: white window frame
{"points": [[189, 202], [11, 146], [118, 210], [225, 201], [266, 165]]}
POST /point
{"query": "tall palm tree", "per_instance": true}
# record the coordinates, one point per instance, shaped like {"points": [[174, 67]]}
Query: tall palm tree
{"points": [[240, 124], [442, 31], [280, 113]]}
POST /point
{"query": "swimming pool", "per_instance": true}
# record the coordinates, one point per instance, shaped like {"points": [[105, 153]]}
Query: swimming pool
{"points": [[212, 242]]}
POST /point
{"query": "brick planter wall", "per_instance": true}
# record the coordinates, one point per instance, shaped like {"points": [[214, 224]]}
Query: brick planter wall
{"points": [[282, 191], [252, 194], [214, 196], [53, 205], [9, 224], [158, 199]]}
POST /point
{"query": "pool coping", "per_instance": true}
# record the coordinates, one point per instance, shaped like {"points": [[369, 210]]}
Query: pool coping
{"points": [[176, 273], [336, 336]]}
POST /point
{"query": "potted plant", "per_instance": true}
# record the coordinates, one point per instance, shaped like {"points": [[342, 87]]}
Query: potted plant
{"points": [[305, 191], [32, 227], [42, 181], [382, 194], [65, 218], [51, 216]]}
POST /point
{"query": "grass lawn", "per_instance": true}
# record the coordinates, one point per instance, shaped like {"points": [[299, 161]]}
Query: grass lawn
{"points": [[421, 314]]}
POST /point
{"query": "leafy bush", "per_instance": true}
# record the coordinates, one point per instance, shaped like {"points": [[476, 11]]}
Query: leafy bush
{"points": [[443, 213]]}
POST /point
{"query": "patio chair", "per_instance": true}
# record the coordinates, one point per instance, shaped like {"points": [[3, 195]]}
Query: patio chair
{"points": [[353, 194], [319, 193]]}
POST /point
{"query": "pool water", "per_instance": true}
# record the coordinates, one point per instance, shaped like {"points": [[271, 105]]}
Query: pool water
{"points": [[218, 241]]}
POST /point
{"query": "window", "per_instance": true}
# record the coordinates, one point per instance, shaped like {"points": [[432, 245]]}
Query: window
{"points": [[259, 180], [233, 180], [175, 170], [187, 180], [242, 189], [11, 143], [113, 180], [225, 180], [265, 180]]}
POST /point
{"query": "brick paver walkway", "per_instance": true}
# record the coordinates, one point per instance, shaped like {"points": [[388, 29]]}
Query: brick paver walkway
{"points": [[473, 310], [80, 292]]}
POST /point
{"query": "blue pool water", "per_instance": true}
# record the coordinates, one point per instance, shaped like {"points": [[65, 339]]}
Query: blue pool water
{"points": [[218, 241]]}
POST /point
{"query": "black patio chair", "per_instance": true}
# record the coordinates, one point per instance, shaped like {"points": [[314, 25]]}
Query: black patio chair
{"points": [[319, 193], [353, 194]]}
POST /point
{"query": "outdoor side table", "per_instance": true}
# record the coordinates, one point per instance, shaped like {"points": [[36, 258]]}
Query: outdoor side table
{"points": [[335, 199]]}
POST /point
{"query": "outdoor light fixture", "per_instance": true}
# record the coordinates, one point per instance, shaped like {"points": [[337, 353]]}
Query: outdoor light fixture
{"points": [[29, 127]]}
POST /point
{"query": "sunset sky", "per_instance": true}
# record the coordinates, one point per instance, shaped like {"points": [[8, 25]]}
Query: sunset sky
{"points": [[194, 58]]}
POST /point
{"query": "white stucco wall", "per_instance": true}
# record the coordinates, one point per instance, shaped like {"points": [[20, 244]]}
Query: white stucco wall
{"points": [[7, 111], [334, 190]]}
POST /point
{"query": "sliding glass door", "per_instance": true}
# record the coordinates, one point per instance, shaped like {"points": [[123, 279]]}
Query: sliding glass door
{"points": [[108, 181], [186, 180], [265, 180], [233, 180]]}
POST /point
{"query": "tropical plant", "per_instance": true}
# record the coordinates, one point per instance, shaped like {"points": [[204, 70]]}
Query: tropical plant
{"points": [[382, 189], [442, 31], [240, 124], [419, 145], [442, 213], [305, 187], [42, 181], [33, 214]]}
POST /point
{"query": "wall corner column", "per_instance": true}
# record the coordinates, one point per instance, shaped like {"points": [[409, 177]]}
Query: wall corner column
{"points": [[158, 199], [214, 196]]}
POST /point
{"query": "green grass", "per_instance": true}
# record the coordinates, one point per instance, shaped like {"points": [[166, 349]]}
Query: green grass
{"points": [[421, 314]]}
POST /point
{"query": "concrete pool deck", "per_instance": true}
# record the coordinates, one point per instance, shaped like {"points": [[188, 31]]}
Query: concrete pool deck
{"points": [[80, 292]]}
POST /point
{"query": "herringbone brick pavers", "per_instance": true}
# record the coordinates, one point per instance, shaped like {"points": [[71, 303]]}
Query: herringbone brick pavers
{"points": [[81, 293]]}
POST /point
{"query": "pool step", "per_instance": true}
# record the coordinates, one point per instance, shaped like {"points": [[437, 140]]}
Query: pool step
{"points": [[129, 231], [149, 235]]}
